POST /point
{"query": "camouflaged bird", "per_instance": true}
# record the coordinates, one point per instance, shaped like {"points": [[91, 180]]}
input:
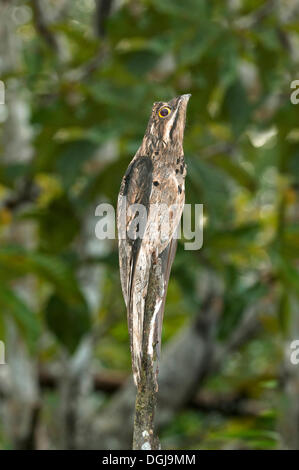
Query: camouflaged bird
{"points": [[150, 206]]}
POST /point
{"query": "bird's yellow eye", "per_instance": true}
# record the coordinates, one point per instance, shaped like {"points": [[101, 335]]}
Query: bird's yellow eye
{"points": [[164, 112]]}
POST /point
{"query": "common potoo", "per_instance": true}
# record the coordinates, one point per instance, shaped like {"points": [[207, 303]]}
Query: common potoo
{"points": [[150, 206]]}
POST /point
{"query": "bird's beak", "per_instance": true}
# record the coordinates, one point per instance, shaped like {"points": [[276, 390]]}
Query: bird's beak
{"points": [[185, 98]]}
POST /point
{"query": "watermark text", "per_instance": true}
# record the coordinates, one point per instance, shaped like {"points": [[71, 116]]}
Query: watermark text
{"points": [[156, 224], [294, 357], [2, 92], [295, 94], [2, 353]]}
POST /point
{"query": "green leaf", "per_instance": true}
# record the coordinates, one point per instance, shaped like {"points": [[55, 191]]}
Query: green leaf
{"points": [[236, 299], [72, 158], [103, 184], [235, 239], [25, 318], [68, 322], [284, 311], [238, 107], [48, 267], [235, 171], [11, 172], [287, 273], [141, 62], [58, 225], [192, 10]]}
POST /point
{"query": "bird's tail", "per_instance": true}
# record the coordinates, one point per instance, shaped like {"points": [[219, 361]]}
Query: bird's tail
{"points": [[146, 308]]}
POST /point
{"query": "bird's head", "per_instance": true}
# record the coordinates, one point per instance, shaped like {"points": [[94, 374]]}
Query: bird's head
{"points": [[167, 123]]}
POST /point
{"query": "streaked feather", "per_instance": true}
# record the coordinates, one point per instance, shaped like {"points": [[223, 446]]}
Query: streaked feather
{"points": [[155, 179]]}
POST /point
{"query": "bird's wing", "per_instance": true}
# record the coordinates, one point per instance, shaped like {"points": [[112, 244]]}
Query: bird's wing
{"points": [[167, 257], [136, 188]]}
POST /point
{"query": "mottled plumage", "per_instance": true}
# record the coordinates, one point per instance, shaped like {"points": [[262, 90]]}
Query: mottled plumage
{"points": [[154, 179]]}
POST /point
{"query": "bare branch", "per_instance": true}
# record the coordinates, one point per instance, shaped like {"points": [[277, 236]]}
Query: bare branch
{"points": [[189, 359], [146, 399], [103, 10], [42, 26]]}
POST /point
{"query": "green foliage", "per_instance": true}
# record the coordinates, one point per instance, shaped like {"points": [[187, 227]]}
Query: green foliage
{"points": [[24, 317], [68, 322], [88, 107], [54, 270]]}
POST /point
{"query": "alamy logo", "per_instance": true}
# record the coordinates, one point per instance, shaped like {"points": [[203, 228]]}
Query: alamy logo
{"points": [[2, 353], [295, 94], [294, 358], [161, 228], [2, 92]]}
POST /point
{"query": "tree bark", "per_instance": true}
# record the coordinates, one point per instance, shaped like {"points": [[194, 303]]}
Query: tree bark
{"points": [[193, 355], [289, 411], [146, 400]]}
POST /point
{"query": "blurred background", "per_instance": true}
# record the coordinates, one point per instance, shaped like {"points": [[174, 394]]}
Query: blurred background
{"points": [[80, 78]]}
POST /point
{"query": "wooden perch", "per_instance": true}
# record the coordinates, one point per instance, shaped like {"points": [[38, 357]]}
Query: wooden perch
{"points": [[146, 399]]}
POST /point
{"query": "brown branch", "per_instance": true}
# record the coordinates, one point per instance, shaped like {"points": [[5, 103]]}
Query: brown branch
{"points": [[252, 20], [104, 381], [237, 404], [103, 10], [26, 193], [42, 26], [234, 404], [85, 71], [146, 399], [192, 356], [28, 442]]}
